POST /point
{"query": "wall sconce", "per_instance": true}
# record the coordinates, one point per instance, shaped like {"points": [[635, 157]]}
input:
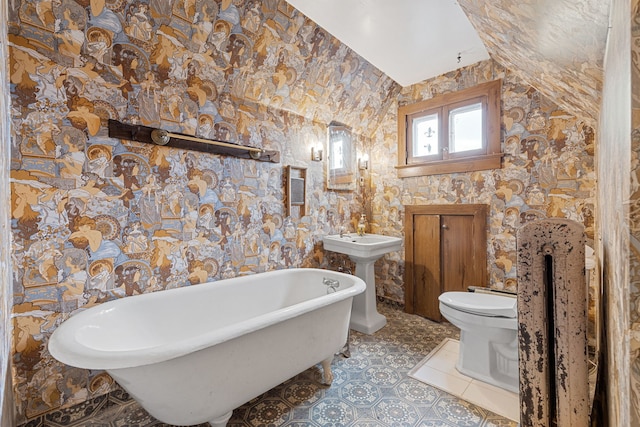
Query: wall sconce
{"points": [[316, 154], [363, 162]]}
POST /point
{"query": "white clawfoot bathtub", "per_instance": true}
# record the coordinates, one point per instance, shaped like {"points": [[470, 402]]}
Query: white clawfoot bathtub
{"points": [[192, 355]]}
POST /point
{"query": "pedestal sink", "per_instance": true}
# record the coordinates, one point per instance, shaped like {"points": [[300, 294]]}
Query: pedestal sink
{"points": [[364, 251]]}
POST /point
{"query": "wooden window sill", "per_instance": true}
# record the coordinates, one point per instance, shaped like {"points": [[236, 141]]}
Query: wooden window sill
{"points": [[458, 165]]}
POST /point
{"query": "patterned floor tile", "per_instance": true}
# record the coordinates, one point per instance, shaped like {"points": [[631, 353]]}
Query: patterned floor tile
{"points": [[396, 412], [417, 393], [360, 393], [370, 389], [458, 413]]}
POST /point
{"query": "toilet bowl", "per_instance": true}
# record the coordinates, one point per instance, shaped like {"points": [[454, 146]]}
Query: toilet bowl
{"points": [[488, 336]]}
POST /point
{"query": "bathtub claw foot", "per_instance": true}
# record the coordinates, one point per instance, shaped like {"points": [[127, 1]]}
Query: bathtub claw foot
{"points": [[327, 377], [221, 421], [346, 350]]}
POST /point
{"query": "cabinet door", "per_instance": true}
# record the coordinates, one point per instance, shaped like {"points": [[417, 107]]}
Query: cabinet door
{"points": [[426, 265], [458, 264], [445, 250]]}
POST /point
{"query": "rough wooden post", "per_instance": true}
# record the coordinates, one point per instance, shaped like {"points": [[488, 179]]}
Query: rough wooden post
{"points": [[552, 317]]}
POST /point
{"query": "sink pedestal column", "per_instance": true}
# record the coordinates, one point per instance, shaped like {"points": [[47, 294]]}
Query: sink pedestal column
{"points": [[364, 314], [364, 251]]}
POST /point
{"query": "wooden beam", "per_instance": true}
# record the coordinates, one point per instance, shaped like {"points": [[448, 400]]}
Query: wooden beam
{"points": [[141, 133]]}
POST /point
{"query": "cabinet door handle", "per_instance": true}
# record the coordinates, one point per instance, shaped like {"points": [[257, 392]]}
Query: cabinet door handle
{"points": [[445, 227]]}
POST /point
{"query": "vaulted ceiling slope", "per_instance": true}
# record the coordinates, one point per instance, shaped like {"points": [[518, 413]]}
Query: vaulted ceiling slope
{"points": [[557, 46]]}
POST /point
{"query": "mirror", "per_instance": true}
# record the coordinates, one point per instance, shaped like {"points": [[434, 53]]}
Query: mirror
{"points": [[341, 173]]}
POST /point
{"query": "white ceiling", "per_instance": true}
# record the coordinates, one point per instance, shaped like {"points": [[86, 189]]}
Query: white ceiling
{"points": [[408, 40]]}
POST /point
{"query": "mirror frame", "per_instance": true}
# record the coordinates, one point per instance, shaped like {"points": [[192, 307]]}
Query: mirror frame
{"points": [[341, 168]]}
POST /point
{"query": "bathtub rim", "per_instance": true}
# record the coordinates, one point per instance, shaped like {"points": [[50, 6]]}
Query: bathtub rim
{"points": [[65, 347]]}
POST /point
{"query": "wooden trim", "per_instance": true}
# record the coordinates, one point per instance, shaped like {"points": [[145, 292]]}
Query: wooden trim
{"points": [[409, 305], [455, 209], [467, 164], [452, 97], [489, 90], [494, 91], [403, 123], [480, 213]]}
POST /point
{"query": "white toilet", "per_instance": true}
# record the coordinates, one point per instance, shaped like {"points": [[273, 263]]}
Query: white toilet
{"points": [[488, 335]]}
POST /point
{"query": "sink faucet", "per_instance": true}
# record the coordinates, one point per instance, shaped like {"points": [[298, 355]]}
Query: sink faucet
{"points": [[332, 284], [342, 230]]}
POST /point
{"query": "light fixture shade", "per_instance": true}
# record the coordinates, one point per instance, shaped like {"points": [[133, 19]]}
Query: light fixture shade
{"points": [[316, 154], [363, 162]]}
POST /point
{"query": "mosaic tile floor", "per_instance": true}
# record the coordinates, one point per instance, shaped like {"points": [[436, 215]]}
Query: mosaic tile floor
{"points": [[370, 389]]}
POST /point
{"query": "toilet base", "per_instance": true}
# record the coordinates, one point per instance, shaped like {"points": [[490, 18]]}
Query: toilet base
{"points": [[495, 363]]}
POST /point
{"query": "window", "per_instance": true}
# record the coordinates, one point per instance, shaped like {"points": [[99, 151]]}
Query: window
{"points": [[454, 132]]}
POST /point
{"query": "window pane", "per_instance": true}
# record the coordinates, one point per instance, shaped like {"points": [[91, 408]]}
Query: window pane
{"points": [[465, 124], [425, 136]]}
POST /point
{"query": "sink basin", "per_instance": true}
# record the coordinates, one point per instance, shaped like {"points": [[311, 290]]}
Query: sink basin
{"points": [[369, 246], [364, 251]]}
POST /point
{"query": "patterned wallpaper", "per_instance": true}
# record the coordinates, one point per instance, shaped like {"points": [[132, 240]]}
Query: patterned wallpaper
{"points": [[548, 170], [6, 402], [173, 62], [95, 218], [558, 46]]}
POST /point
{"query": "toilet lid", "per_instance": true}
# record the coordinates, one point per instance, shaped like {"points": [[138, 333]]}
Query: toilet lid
{"points": [[481, 303]]}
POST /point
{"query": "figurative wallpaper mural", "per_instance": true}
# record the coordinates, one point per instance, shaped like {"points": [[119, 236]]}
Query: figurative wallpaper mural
{"points": [[96, 218], [552, 49], [547, 171]]}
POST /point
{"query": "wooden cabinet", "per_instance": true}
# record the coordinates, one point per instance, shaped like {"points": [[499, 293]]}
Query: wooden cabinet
{"points": [[445, 250]]}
